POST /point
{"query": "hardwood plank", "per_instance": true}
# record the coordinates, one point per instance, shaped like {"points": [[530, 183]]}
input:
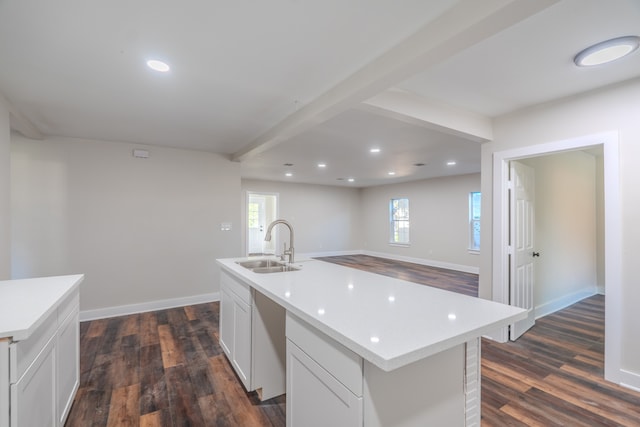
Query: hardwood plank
{"points": [[123, 408], [171, 354]]}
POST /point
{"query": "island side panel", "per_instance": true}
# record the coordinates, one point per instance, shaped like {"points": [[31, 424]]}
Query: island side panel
{"points": [[472, 384], [4, 381], [429, 392]]}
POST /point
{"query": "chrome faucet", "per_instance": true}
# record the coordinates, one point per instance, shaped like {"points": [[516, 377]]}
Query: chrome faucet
{"points": [[290, 251]]}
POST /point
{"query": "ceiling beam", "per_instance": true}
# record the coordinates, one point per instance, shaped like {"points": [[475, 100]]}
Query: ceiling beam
{"points": [[462, 26], [410, 108]]}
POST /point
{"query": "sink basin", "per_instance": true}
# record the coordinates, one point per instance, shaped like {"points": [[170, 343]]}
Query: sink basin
{"points": [[259, 263], [274, 269], [263, 266]]}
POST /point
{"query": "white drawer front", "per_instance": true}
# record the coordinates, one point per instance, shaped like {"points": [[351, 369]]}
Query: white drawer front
{"points": [[236, 286], [23, 353], [339, 361]]}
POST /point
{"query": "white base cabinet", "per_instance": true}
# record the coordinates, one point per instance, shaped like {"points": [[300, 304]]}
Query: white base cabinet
{"points": [[328, 384], [252, 337], [39, 376]]}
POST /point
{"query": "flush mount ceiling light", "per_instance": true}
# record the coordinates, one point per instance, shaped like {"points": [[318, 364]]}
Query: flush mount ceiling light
{"points": [[158, 65], [374, 150], [322, 165], [607, 51]]}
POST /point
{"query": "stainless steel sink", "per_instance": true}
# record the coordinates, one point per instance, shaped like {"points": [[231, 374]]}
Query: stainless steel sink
{"points": [[274, 269], [263, 266], [259, 263]]}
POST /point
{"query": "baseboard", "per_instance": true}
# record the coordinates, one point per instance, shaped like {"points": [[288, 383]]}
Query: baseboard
{"points": [[123, 310], [427, 262], [563, 302], [630, 380], [327, 253]]}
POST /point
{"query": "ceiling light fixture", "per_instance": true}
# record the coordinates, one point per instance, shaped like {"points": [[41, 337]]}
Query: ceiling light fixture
{"points": [[607, 51], [158, 65], [391, 173], [374, 150], [351, 179], [451, 163], [288, 174], [322, 165]]}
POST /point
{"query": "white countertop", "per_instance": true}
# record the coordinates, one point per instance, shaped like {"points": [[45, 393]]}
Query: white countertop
{"points": [[26, 303], [387, 321]]}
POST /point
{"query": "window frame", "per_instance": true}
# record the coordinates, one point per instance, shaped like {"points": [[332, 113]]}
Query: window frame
{"points": [[394, 233]]}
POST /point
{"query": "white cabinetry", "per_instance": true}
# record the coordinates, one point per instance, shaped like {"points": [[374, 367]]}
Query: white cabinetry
{"points": [[39, 366], [324, 379], [252, 337]]}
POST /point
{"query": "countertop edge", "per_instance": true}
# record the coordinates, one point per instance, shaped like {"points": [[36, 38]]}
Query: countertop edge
{"points": [[23, 334]]}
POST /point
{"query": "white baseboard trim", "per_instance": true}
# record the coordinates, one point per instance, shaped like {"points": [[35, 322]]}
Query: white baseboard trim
{"points": [[563, 302], [427, 262], [328, 253], [123, 310], [630, 380]]}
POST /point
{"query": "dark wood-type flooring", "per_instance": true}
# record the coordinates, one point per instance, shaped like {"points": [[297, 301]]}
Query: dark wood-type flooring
{"points": [[165, 368]]}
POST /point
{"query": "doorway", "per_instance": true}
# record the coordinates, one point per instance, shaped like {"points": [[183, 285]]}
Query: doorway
{"points": [[612, 236], [261, 210]]}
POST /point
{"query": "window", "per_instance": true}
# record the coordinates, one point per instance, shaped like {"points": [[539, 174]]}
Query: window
{"points": [[399, 221], [474, 221]]}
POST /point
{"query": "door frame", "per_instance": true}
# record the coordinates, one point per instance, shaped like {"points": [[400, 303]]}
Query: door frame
{"points": [[248, 194], [612, 238]]}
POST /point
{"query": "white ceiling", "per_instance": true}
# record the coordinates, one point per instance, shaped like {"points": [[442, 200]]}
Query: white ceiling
{"points": [[288, 81]]}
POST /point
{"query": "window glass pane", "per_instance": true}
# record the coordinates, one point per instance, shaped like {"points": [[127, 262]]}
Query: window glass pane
{"points": [[475, 199], [399, 220]]}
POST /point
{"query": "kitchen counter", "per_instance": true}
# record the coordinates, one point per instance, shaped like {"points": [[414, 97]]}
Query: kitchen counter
{"points": [[26, 303], [389, 322], [39, 350]]}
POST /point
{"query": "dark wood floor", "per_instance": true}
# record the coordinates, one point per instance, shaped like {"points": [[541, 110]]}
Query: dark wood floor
{"points": [[166, 368]]}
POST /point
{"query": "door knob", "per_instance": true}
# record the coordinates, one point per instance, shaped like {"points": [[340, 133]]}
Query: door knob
{"points": [[536, 254]]}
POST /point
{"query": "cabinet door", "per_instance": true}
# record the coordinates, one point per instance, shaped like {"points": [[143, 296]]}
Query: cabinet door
{"points": [[226, 321], [315, 397], [241, 357], [33, 396], [68, 364]]}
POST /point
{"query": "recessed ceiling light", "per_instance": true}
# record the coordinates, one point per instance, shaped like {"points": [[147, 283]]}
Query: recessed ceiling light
{"points": [[451, 163], [288, 174], [374, 150], [607, 51], [158, 65], [351, 179], [322, 165], [391, 173]]}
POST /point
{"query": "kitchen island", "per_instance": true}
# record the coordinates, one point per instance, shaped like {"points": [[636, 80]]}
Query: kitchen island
{"points": [[39, 350], [356, 348]]}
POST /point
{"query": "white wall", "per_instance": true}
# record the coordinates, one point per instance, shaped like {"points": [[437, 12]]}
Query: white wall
{"points": [[615, 108], [140, 229], [324, 218], [439, 217], [565, 218], [5, 192]]}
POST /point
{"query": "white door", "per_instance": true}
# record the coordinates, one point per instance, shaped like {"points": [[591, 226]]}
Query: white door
{"points": [[522, 226], [261, 210]]}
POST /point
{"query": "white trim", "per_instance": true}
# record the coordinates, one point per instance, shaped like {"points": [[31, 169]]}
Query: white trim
{"points": [[427, 262], [123, 310], [306, 255], [613, 233], [563, 302], [629, 380]]}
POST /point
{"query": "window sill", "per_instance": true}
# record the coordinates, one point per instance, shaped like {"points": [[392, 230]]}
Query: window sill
{"points": [[402, 245], [474, 251]]}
